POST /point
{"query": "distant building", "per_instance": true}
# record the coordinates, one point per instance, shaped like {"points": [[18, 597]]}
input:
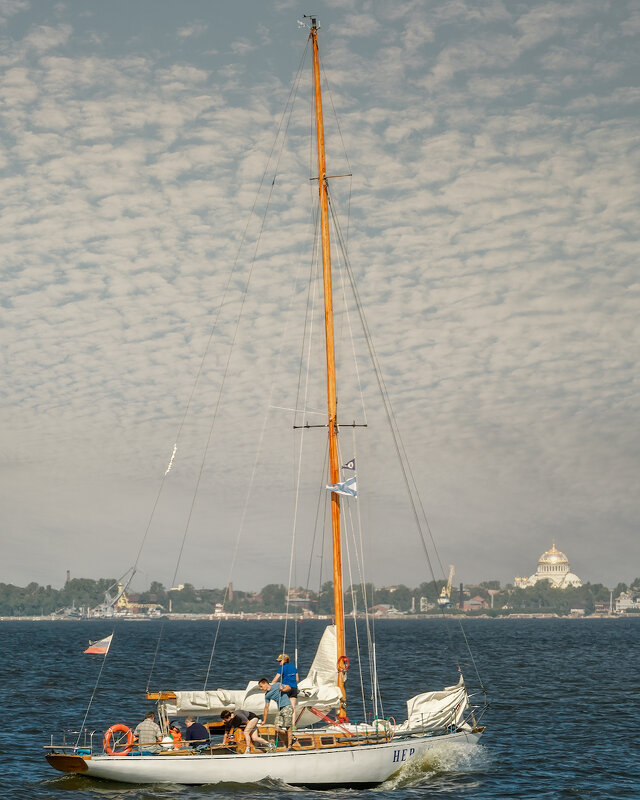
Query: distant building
{"points": [[627, 601], [426, 605], [299, 598], [131, 605], [385, 610], [475, 604], [553, 566]]}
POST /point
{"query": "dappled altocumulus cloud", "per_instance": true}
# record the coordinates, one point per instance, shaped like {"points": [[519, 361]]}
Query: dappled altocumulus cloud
{"points": [[493, 228]]}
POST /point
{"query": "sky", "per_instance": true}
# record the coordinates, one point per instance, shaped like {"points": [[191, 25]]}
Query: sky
{"points": [[152, 288]]}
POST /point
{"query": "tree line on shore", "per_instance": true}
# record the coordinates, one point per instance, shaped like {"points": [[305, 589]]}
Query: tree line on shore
{"points": [[87, 593]]}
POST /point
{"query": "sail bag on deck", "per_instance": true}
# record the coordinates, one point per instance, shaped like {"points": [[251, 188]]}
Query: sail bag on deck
{"points": [[432, 711]]}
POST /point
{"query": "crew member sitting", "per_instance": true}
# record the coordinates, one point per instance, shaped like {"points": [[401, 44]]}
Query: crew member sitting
{"points": [[196, 733], [176, 735], [148, 733]]}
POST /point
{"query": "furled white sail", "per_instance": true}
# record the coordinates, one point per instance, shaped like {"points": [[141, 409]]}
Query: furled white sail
{"points": [[436, 710]]}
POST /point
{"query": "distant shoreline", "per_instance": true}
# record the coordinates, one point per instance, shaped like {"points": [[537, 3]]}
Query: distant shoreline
{"points": [[290, 617]]}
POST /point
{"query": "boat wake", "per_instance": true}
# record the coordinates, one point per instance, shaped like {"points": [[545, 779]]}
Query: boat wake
{"points": [[438, 761]]}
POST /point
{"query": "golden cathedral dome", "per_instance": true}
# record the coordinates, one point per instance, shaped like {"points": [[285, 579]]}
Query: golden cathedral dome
{"points": [[553, 556], [553, 566]]}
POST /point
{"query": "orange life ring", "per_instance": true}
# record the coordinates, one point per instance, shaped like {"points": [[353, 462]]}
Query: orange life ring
{"points": [[343, 664], [109, 734]]}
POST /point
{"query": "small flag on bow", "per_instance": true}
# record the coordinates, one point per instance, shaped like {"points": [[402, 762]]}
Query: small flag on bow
{"points": [[350, 464], [101, 646], [348, 487]]}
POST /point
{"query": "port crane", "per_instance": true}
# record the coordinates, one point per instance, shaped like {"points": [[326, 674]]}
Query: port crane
{"points": [[108, 606], [445, 594]]}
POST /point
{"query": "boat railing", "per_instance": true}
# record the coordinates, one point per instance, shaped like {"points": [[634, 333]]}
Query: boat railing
{"points": [[425, 725], [379, 730], [476, 713], [75, 741], [90, 742]]}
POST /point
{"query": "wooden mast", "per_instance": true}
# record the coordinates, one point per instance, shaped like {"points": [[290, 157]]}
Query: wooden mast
{"points": [[334, 464]]}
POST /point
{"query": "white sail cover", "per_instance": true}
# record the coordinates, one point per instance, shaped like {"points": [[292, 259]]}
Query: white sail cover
{"points": [[436, 710], [318, 690]]}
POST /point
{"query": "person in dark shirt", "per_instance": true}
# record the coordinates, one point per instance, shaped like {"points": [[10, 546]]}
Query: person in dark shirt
{"points": [[248, 722], [195, 732]]}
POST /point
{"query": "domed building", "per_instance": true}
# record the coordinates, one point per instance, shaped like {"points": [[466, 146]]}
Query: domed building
{"points": [[553, 566]]}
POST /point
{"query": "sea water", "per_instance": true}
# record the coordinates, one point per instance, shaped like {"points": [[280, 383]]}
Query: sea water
{"points": [[563, 719]]}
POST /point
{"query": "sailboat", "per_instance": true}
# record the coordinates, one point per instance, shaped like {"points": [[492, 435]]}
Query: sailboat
{"points": [[328, 751]]}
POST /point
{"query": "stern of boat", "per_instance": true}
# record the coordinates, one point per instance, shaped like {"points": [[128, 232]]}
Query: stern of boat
{"points": [[65, 762]]}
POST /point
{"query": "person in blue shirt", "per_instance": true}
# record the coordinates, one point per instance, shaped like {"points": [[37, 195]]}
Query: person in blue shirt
{"points": [[284, 718], [287, 677]]}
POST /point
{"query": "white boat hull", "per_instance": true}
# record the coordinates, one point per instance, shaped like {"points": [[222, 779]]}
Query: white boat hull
{"points": [[362, 766]]}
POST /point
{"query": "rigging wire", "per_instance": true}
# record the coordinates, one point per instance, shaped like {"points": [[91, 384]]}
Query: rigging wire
{"points": [[93, 693], [359, 562], [329, 94], [353, 354], [343, 239], [315, 206], [354, 609], [302, 393], [359, 553], [311, 302], [308, 333], [288, 108], [316, 525], [112, 602], [368, 622], [409, 479]]}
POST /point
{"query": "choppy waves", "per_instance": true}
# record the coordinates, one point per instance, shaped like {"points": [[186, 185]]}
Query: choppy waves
{"points": [[560, 724], [438, 762]]}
